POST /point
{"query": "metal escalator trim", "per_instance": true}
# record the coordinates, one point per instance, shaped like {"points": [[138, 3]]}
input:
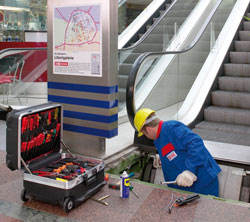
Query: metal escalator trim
{"points": [[130, 90], [121, 2]]}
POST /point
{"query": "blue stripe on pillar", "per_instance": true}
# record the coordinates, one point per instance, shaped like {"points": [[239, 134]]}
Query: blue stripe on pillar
{"points": [[90, 117], [83, 87], [90, 131], [84, 102]]}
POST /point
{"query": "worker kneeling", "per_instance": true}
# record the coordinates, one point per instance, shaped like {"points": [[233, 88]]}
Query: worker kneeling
{"points": [[183, 154]]}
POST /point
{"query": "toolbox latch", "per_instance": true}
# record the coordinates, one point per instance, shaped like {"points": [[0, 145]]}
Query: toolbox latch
{"points": [[94, 171], [90, 180]]}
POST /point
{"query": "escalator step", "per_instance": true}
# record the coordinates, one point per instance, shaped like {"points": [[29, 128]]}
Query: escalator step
{"points": [[244, 35], [132, 57], [242, 46], [240, 57], [231, 99], [238, 84], [223, 137], [227, 115], [240, 70], [125, 68], [223, 127], [122, 81], [246, 26]]}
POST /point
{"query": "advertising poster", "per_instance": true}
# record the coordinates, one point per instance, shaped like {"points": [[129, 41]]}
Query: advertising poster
{"points": [[77, 40]]}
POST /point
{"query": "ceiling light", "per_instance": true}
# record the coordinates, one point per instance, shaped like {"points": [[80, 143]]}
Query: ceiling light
{"points": [[10, 8]]}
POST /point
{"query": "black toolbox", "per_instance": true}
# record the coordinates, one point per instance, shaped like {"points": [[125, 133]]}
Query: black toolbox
{"points": [[34, 144]]}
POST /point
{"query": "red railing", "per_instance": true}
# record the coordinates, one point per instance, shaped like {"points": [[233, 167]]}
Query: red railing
{"points": [[35, 68]]}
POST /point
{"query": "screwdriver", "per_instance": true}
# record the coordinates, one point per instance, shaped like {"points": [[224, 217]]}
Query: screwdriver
{"points": [[131, 188]]}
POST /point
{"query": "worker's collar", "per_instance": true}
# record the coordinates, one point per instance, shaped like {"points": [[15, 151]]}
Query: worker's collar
{"points": [[159, 129]]}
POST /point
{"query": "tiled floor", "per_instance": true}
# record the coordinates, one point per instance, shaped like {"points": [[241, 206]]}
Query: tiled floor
{"points": [[150, 206]]}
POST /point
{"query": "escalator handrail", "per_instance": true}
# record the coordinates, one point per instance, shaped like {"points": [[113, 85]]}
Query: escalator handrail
{"points": [[130, 101], [20, 49], [146, 34]]}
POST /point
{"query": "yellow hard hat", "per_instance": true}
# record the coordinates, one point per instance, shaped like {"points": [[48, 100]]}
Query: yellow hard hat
{"points": [[140, 119]]}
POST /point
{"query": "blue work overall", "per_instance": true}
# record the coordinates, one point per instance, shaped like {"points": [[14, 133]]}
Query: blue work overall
{"points": [[181, 149]]}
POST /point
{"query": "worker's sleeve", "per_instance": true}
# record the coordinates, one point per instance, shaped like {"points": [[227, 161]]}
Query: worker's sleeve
{"points": [[192, 144]]}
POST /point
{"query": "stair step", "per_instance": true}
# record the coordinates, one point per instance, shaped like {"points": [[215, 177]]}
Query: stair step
{"points": [[122, 81], [178, 13], [132, 57], [240, 70], [149, 47], [122, 94], [171, 20], [227, 115], [161, 12], [163, 29], [223, 137], [153, 37], [238, 84], [246, 26], [167, 6], [231, 99], [240, 57], [223, 127], [242, 46], [125, 68], [185, 5], [244, 35]]}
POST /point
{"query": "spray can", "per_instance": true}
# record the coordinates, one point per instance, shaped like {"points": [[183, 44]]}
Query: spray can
{"points": [[124, 185]]}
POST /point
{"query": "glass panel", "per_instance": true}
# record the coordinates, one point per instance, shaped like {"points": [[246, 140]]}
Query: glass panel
{"points": [[19, 16], [180, 70], [23, 82], [157, 40], [164, 93]]}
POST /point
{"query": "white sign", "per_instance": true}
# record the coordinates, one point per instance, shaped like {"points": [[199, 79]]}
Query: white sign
{"points": [[77, 40]]}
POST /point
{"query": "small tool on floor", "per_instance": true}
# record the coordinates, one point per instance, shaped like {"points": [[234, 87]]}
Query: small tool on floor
{"points": [[180, 201], [100, 200], [190, 199], [131, 188], [114, 186]]}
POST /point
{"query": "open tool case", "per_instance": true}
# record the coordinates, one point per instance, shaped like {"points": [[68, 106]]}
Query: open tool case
{"points": [[34, 144]]}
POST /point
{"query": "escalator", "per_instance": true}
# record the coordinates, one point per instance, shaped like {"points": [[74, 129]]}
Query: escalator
{"points": [[171, 74], [155, 36], [227, 119]]}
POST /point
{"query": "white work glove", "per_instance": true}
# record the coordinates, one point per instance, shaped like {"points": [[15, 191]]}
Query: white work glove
{"points": [[186, 179]]}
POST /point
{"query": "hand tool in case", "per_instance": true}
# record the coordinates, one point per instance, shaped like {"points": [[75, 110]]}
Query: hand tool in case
{"points": [[34, 144]]}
